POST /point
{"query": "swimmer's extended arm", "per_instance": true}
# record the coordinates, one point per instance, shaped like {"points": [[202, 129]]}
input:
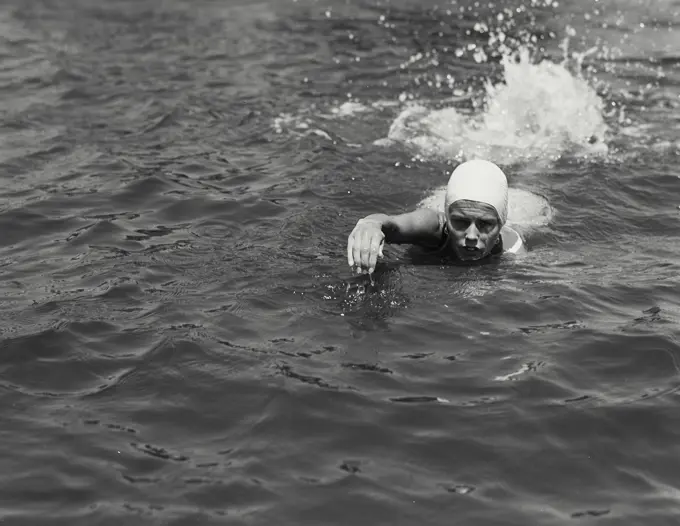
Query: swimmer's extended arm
{"points": [[365, 243]]}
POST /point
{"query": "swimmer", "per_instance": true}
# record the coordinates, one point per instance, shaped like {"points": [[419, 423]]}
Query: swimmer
{"points": [[472, 226]]}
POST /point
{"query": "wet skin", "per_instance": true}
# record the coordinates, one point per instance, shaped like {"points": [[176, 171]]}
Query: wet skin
{"points": [[474, 229]]}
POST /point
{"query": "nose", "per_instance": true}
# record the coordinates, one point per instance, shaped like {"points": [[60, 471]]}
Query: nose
{"points": [[471, 236]]}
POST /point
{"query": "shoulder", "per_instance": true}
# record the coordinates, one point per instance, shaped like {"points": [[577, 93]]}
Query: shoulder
{"points": [[438, 240]]}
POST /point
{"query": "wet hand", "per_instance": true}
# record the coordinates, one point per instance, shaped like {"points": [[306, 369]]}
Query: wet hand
{"points": [[365, 245]]}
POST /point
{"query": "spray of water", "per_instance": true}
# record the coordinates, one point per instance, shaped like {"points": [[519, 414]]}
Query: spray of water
{"points": [[540, 110]]}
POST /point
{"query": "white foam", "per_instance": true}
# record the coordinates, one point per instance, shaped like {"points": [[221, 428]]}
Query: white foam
{"points": [[539, 111], [348, 109]]}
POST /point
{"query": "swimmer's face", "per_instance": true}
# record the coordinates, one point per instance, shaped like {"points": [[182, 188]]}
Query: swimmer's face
{"points": [[474, 229]]}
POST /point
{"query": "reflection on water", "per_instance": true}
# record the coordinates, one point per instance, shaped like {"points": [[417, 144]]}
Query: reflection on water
{"points": [[183, 341]]}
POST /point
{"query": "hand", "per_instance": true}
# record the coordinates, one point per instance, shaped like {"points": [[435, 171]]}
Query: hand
{"points": [[365, 245]]}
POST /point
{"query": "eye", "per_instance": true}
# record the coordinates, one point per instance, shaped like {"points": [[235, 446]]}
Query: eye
{"points": [[460, 224]]}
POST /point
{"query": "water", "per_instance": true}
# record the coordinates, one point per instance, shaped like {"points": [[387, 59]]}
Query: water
{"points": [[182, 341]]}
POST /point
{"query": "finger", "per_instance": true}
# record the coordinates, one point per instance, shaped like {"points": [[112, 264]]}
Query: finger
{"points": [[356, 251], [366, 250], [373, 257], [350, 249]]}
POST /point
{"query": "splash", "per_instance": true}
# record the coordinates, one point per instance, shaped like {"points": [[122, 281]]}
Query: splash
{"points": [[314, 121], [540, 110]]}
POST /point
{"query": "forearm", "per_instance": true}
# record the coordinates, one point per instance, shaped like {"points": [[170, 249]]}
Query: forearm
{"points": [[388, 226], [421, 226]]}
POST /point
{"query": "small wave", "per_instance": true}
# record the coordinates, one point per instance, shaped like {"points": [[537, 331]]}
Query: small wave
{"points": [[540, 110]]}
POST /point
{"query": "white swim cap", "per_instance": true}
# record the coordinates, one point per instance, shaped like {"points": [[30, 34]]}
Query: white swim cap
{"points": [[481, 181]]}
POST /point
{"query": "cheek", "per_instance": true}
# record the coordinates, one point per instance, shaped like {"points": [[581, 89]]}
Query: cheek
{"points": [[457, 236], [454, 235], [492, 236]]}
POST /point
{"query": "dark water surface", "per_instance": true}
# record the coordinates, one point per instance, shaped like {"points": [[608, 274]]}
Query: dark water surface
{"points": [[183, 343]]}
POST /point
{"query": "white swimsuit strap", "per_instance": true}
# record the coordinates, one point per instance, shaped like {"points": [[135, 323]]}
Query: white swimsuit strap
{"points": [[518, 243]]}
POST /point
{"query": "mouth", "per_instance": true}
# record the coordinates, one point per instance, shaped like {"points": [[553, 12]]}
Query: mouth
{"points": [[469, 252]]}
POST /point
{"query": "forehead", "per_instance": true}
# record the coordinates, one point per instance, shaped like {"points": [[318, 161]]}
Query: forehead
{"points": [[472, 210]]}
